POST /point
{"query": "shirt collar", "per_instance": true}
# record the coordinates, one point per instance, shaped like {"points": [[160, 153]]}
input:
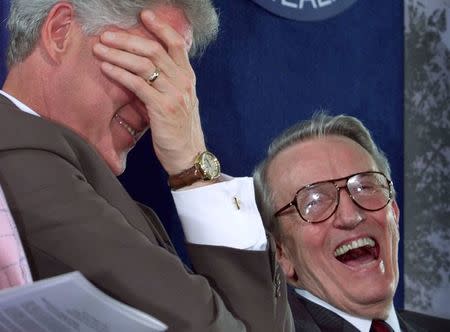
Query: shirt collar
{"points": [[361, 324], [19, 104]]}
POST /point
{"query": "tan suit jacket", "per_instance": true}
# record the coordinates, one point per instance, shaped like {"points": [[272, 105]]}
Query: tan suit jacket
{"points": [[73, 214]]}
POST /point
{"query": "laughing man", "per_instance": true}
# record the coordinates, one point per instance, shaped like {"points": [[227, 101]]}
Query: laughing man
{"points": [[325, 193]]}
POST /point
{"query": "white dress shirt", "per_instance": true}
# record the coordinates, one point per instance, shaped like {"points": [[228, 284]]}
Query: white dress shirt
{"points": [[361, 324], [222, 214]]}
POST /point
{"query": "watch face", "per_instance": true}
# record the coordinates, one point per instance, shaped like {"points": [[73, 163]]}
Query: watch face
{"points": [[209, 165]]}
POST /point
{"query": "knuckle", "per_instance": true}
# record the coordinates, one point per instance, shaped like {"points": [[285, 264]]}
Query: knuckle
{"points": [[186, 80], [186, 83], [193, 79], [134, 49], [171, 107], [179, 99], [145, 63], [154, 49], [190, 75], [177, 43]]}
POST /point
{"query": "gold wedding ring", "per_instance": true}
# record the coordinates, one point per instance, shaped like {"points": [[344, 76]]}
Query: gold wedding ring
{"points": [[153, 76]]}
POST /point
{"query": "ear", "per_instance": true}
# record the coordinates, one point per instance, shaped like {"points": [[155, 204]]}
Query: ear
{"points": [[57, 30], [396, 211], [286, 264]]}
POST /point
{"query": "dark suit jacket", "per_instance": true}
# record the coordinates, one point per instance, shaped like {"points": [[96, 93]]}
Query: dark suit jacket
{"points": [[73, 214], [311, 317]]}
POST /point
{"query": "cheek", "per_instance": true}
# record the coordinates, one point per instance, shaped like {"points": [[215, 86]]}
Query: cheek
{"points": [[306, 246]]}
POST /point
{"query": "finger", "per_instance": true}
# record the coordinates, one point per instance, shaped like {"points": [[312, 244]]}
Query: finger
{"points": [[140, 46], [135, 64], [160, 83], [177, 45], [145, 92], [161, 96], [139, 65]]}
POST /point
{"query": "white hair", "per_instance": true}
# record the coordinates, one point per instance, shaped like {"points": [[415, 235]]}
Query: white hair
{"points": [[27, 16], [320, 125]]}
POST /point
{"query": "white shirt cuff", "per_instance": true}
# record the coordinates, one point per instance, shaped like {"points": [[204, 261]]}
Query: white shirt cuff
{"points": [[222, 214]]}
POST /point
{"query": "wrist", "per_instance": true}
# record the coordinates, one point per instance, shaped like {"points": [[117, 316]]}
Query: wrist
{"points": [[205, 170]]}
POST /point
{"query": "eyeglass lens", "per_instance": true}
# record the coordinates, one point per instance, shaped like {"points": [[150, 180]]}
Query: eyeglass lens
{"points": [[370, 191]]}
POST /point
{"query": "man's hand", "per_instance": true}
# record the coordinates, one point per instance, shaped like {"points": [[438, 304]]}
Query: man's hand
{"points": [[170, 100]]}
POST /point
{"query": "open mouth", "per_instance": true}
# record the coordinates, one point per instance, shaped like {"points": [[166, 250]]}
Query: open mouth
{"points": [[357, 252], [133, 132]]}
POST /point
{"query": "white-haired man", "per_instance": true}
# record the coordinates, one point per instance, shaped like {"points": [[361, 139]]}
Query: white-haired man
{"points": [[86, 79]]}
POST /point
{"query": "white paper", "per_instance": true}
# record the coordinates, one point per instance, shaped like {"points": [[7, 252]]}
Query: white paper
{"points": [[67, 303]]}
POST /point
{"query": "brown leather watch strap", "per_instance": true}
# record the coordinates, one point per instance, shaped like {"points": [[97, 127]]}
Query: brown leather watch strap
{"points": [[185, 178]]}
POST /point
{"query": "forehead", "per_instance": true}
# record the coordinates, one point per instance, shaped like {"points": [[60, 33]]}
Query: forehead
{"points": [[318, 159]]}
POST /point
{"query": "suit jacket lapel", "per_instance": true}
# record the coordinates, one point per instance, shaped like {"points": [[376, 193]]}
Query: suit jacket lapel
{"points": [[309, 316], [303, 320]]}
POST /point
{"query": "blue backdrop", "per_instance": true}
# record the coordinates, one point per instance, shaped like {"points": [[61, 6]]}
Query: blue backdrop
{"points": [[265, 72]]}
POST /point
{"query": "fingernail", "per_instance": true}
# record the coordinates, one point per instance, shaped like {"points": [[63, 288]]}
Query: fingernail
{"points": [[149, 15], [100, 48], [106, 66], [109, 35]]}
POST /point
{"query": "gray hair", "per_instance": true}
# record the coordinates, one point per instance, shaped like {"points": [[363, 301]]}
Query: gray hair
{"points": [[320, 125], [27, 16]]}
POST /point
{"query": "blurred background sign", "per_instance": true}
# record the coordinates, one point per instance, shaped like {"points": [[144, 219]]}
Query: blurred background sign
{"points": [[306, 10]]}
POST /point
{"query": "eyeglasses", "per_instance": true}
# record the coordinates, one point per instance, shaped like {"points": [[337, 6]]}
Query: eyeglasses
{"points": [[318, 201]]}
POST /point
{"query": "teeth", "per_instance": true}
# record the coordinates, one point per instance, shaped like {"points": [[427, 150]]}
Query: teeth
{"points": [[125, 125], [382, 269], [353, 245]]}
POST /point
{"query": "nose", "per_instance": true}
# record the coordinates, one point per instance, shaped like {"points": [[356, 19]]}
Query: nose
{"points": [[348, 215]]}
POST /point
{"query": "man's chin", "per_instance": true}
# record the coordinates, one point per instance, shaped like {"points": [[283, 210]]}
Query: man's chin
{"points": [[118, 165], [368, 304], [121, 169]]}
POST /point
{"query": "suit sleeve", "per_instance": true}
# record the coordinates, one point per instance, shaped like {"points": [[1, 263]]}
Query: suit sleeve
{"points": [[67, 223]]}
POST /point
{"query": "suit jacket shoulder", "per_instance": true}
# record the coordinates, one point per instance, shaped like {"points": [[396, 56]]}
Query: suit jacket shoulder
{"points": [[414, 321]]}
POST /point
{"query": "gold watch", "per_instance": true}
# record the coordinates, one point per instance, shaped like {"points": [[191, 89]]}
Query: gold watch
{"points": [[206, 168]]}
